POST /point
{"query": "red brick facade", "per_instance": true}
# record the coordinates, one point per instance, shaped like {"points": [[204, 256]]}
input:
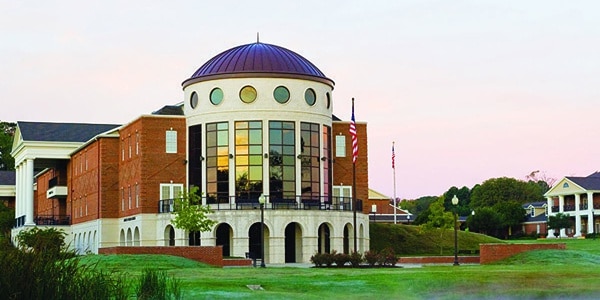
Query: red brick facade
{"points": [[342, 166], [209, 255], [493, 252]]}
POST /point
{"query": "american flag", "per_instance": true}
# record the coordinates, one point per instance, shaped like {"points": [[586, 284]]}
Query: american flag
{"points": [[353, 135], [393, 157]]}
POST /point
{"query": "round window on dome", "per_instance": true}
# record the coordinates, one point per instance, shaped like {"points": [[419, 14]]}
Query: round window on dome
{"points": [[310, 97], [216, 96], [194, 100], [248, 94], [281, 94], [328, 95]]}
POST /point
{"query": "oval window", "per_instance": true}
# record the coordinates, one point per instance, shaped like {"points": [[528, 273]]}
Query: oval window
{"points": [[248, 94], [310, 97], [194, 100], [281, 94], [328, 100], [216, 96]]}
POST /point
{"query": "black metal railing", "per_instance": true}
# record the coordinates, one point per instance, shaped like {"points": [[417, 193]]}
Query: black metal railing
{"points": [[294, 203], [20, 221], [52, 220], [555, 209], [568, 207]]}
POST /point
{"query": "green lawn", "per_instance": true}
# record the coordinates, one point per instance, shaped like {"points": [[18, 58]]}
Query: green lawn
{"points": [[538, 274]]}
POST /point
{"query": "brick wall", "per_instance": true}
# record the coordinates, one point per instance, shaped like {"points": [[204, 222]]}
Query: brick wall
{"points": [[493, 252], [209, 255], [342, 166]]}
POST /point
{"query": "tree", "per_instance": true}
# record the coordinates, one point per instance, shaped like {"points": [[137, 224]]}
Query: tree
{"points": [[495, 190], [464, 198], [511, 214], [485, 220], [439, 219], [190, 214], [7, 131], [558, 222]]}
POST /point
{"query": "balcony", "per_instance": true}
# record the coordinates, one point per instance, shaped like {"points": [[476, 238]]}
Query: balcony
{"points": [[57, 189], [295, 203], [53, 220]]}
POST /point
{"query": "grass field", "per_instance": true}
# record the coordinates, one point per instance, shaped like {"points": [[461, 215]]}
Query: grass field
{"points": [[548, 274]]}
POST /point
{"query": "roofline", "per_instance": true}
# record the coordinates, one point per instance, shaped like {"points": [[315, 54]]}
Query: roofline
{"points": [[193, 80]]}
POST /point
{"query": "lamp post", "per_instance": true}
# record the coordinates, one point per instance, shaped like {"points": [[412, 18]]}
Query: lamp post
{"points": [[261, 200], [455, 203], [407, 219]]}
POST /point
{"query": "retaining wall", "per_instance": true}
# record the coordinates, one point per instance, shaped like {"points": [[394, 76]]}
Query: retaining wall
{"points": [[493, 252]]}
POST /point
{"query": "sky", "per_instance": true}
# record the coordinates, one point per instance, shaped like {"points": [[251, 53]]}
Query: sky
{"points": [[467, 90]]}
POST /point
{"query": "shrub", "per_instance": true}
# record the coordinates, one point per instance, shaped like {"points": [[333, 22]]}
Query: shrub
{"points": [[341, 259], [328, 258], [317, 259], [388, 257], [355, 259], [371, 258]]}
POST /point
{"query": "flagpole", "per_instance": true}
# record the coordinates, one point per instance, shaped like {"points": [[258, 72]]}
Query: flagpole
{"points": [[354, 157], [394, 171]]}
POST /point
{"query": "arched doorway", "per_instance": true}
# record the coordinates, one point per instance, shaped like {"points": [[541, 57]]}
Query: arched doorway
{"points": [[293, 243], [122, 238], [136, 236], [254, 242], [347, 239], [324, 243], [129, 239], [224, 235], [169, 236]]}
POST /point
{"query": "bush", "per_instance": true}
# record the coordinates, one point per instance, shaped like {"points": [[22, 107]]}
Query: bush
{"points": [[317, 259], [328, 258], [341, 259], [356, 259], [371, 258], [388, 257]]}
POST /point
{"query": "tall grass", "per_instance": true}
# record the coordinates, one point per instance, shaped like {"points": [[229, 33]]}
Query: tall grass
{"points": [[157, 285]]}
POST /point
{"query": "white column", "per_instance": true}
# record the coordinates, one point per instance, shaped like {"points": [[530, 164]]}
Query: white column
{"points": [[577, 215], [550, 203], [561, 209], [590, 203], [28, 201], [18, 183]]}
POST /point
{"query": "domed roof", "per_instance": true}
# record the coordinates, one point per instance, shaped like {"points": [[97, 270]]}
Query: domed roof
{"points": [[260, 60]]}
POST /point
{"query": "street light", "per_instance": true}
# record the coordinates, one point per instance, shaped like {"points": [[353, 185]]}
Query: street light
{"points": [[261, 200], [455, 203], [408, 219]]}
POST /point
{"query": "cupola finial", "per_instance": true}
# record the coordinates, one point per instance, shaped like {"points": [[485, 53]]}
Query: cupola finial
{"points": [[257, 38]]}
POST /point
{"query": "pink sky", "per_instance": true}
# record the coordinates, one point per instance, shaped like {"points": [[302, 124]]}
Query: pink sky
{"points": [[468, 90]]}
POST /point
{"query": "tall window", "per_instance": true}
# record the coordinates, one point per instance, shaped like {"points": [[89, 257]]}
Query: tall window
{"points": [[309, 151], [282, 160], [122, 199], [129, 145], [137, 142], [171, 141], [248, 161], [137, 195], [129, 197], [327, 172], [340, 146], [217, 162]]}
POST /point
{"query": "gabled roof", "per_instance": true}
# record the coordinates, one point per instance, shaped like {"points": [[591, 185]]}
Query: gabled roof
{"points": [[591, 182], [61, 132], [7, 177], [375, 195], [539, 204]]}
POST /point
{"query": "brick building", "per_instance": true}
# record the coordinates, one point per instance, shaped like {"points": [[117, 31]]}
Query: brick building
{"points": [[255, 120]]}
